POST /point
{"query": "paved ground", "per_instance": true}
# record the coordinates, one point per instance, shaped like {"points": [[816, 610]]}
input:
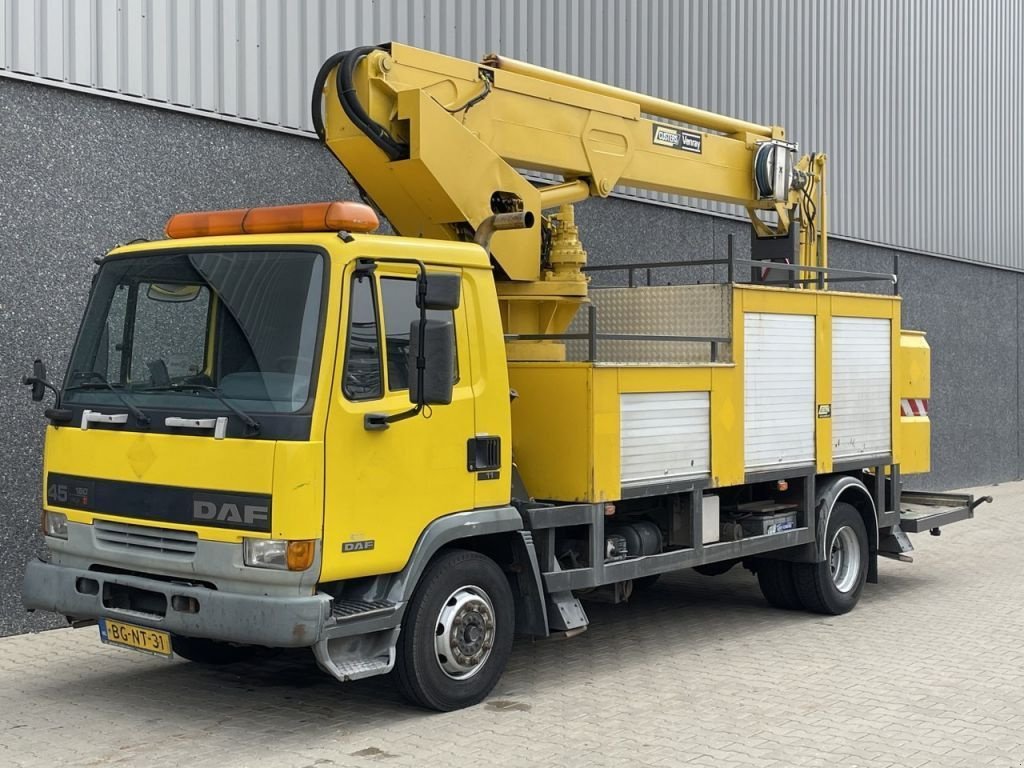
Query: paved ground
{"points": [[928, 671]]}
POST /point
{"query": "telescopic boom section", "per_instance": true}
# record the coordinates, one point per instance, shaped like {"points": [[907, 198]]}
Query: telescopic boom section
{"points": [[439, 145]]}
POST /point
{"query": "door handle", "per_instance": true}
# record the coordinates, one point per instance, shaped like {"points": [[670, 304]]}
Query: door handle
{"points": [[219, 425], [95, 417]]}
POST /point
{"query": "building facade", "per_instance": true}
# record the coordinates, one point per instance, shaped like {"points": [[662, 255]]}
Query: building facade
{"points": [[117, 113]]}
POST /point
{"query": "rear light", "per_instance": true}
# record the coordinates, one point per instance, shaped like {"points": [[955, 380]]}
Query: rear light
{"points": [[278, 554], [55, 524], [309, 217]]}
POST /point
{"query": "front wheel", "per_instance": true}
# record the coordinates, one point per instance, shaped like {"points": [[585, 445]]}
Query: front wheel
{"points": [[643, 583], [834, 585], [457, 632], [213, 653], [715, 569]]}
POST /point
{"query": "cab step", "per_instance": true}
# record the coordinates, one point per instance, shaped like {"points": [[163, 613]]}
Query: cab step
{"points": [[358, 656], [347, 610]]}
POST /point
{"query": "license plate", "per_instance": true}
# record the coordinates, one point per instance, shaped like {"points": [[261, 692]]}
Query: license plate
{"points": [[137, 638]]}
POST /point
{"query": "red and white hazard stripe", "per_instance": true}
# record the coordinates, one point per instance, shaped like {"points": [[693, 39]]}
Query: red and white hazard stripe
{"points": [[914, 406]]}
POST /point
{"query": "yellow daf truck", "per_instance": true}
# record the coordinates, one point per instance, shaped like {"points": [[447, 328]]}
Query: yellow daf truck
{"points": [[278, 428]]}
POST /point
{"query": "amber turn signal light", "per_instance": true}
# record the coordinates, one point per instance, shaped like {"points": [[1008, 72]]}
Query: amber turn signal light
{"points": [[300, 555], [309, 217]]}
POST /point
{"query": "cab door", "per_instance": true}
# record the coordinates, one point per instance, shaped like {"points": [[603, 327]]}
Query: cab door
{"points": [[384, 486]]}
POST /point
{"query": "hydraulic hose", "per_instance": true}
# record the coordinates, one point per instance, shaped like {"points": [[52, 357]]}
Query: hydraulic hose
{"points": [[346, 62]]}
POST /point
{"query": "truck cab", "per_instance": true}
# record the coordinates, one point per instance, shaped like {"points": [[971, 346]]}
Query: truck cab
{"points": [[223, 461]]}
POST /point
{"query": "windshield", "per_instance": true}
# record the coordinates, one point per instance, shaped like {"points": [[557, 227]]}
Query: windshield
{"points": [[189, 330]]}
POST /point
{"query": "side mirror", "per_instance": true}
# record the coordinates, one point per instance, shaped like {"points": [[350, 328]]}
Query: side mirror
{"points": [[39, 384], [37, 380], [439, 362], [443, 291]]}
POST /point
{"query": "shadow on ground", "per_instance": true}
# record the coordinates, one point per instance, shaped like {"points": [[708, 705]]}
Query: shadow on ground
{"points": [[683, 613]]}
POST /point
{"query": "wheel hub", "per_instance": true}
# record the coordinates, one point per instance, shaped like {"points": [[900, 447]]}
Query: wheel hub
{"points": [[464, 635], [844, 559]]}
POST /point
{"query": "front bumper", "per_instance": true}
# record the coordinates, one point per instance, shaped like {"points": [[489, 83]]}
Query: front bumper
{"points": [[278, 622]]}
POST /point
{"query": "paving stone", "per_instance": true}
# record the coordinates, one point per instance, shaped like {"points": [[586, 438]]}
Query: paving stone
{"points": [[927, 671]]}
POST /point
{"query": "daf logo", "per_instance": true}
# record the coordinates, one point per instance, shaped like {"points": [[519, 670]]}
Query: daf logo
{"points": [[357, 546], [242, 514]]}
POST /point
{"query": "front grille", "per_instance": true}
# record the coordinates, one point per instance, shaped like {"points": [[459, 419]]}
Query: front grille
{"points": [[181, 545]]}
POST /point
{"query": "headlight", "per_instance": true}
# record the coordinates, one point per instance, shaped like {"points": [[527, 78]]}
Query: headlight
{"points": [[55, 524], [279, 554]]}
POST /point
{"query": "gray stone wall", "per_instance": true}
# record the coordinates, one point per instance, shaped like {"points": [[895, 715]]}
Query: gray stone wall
{"points": [[80, 173]]}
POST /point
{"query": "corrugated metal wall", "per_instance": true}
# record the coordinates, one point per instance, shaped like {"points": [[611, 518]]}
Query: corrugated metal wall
{"points": [[918, 104]]}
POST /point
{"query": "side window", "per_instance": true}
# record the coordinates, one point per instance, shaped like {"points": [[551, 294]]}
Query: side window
{"points": [[400, 310], [169, 336], [362, 379]]}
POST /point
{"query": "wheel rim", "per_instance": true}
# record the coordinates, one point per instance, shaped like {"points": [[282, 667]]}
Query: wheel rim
{"points": [[464, 633], [844, 559]]}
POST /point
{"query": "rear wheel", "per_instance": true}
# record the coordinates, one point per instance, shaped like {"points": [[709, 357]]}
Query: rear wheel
{"points": [[457, 632], [834, 585], [777, 581]]}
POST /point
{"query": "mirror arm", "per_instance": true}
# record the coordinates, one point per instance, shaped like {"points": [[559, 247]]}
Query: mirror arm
{"points": [[378, 422], [421, 360], [30, 381]]}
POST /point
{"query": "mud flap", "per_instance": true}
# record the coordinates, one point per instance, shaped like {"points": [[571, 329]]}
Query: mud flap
{"points": [[565, 613]]}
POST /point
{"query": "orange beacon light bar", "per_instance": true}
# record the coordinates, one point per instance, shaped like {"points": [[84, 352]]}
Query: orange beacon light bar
{"points": [[308, 217]]}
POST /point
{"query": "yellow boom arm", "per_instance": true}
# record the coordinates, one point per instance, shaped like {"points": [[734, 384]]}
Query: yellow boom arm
{"points": [[438, 144]]}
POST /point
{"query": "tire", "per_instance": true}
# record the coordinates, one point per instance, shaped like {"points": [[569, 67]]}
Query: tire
{"points": [[438, 668], [778, 585], [211, 653], [715, 569], [643, 583], [834, 586]]}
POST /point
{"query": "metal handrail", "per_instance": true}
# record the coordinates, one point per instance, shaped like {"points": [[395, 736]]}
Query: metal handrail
{"points": [[823, 274], [728, 261], [592, 336], [854, 273]]}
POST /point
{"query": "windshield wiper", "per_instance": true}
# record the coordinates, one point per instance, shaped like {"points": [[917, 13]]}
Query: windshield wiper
{"points": [[102, 382], [248, 420]]}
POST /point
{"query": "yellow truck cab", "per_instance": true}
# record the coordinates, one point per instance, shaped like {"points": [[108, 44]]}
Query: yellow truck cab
{"points": [[280, 429], [224, 391]]}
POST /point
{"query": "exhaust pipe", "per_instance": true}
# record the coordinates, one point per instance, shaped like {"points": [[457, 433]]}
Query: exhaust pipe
{"points": [[498, 222]]}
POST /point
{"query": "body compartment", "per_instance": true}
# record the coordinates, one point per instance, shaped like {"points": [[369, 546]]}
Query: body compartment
{"points": [[771, 393]]}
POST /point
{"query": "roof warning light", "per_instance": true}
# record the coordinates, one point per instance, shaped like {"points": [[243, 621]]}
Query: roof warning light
{"points": [[308, 217]]}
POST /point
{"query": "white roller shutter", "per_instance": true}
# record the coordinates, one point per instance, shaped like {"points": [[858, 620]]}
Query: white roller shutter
{"points": [[861, 381], [664, 436], [778, 388]]}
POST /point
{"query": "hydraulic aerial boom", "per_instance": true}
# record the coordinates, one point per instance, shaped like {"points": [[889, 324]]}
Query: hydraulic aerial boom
{"points": [[439, 145]]}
